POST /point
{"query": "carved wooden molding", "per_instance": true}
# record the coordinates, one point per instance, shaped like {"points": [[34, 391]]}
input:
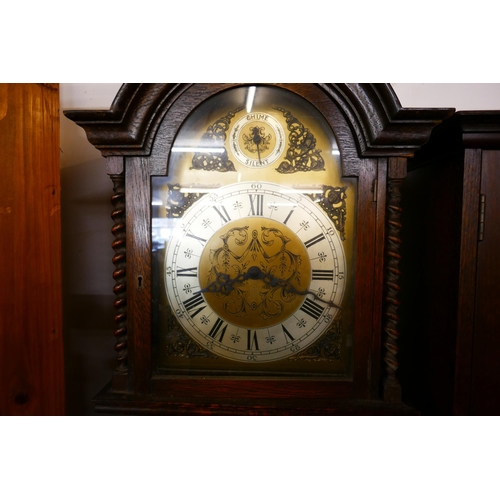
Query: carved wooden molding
{"points": [[381, 126], [480, 129], [396, 174], [119, 274], [128, 128]]}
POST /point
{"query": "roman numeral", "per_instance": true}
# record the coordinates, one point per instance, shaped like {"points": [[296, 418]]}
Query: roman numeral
{"points": [[312, 309], [216, 330], [320, 274], [288, 335], [313, 241], [193, 302], [252, 344], [201, 240], [189, 272], [256, 204], [289, 215], [224, 216]]}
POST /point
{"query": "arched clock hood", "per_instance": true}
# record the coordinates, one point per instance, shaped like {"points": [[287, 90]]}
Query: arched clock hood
{"points": [[378, 122]]}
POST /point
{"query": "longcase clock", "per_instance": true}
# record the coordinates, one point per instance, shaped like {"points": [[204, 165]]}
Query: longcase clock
{"points": [[257, 235]]}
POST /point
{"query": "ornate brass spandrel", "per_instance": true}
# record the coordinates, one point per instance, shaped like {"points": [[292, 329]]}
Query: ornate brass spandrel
{"points": [[302, 154], [327, 348], [215, 138], [333, 202], [178, 201], [180, 344]]}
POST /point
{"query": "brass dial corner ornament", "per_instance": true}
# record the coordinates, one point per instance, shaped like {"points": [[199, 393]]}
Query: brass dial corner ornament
{"points": [[215, 157], [256, 272], [302, 154]]}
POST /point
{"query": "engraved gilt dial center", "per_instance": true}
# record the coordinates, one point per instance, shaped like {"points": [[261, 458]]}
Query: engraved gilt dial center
{"points": [[253, 268]]}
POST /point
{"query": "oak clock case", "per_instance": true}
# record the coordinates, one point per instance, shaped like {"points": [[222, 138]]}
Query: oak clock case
{"points": [[257, 238], [253, 241]]}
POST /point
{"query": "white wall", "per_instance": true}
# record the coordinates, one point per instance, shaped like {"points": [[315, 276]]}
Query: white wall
{"points": [[461, 96]]}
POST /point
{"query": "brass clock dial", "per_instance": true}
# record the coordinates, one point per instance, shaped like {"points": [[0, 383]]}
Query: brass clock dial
{"points": [[253, 240], [255, 272], [257, 140]]}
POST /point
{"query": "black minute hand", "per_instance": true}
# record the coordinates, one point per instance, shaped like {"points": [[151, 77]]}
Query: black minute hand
{"points": [[224, 283], [288, 287]]}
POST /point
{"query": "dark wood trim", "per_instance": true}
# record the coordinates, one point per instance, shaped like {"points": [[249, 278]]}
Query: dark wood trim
{"points": [[365, 275], [218, 388], [139, 273], [467, 280], [111, 403], [480, 129], [380, 193]]}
